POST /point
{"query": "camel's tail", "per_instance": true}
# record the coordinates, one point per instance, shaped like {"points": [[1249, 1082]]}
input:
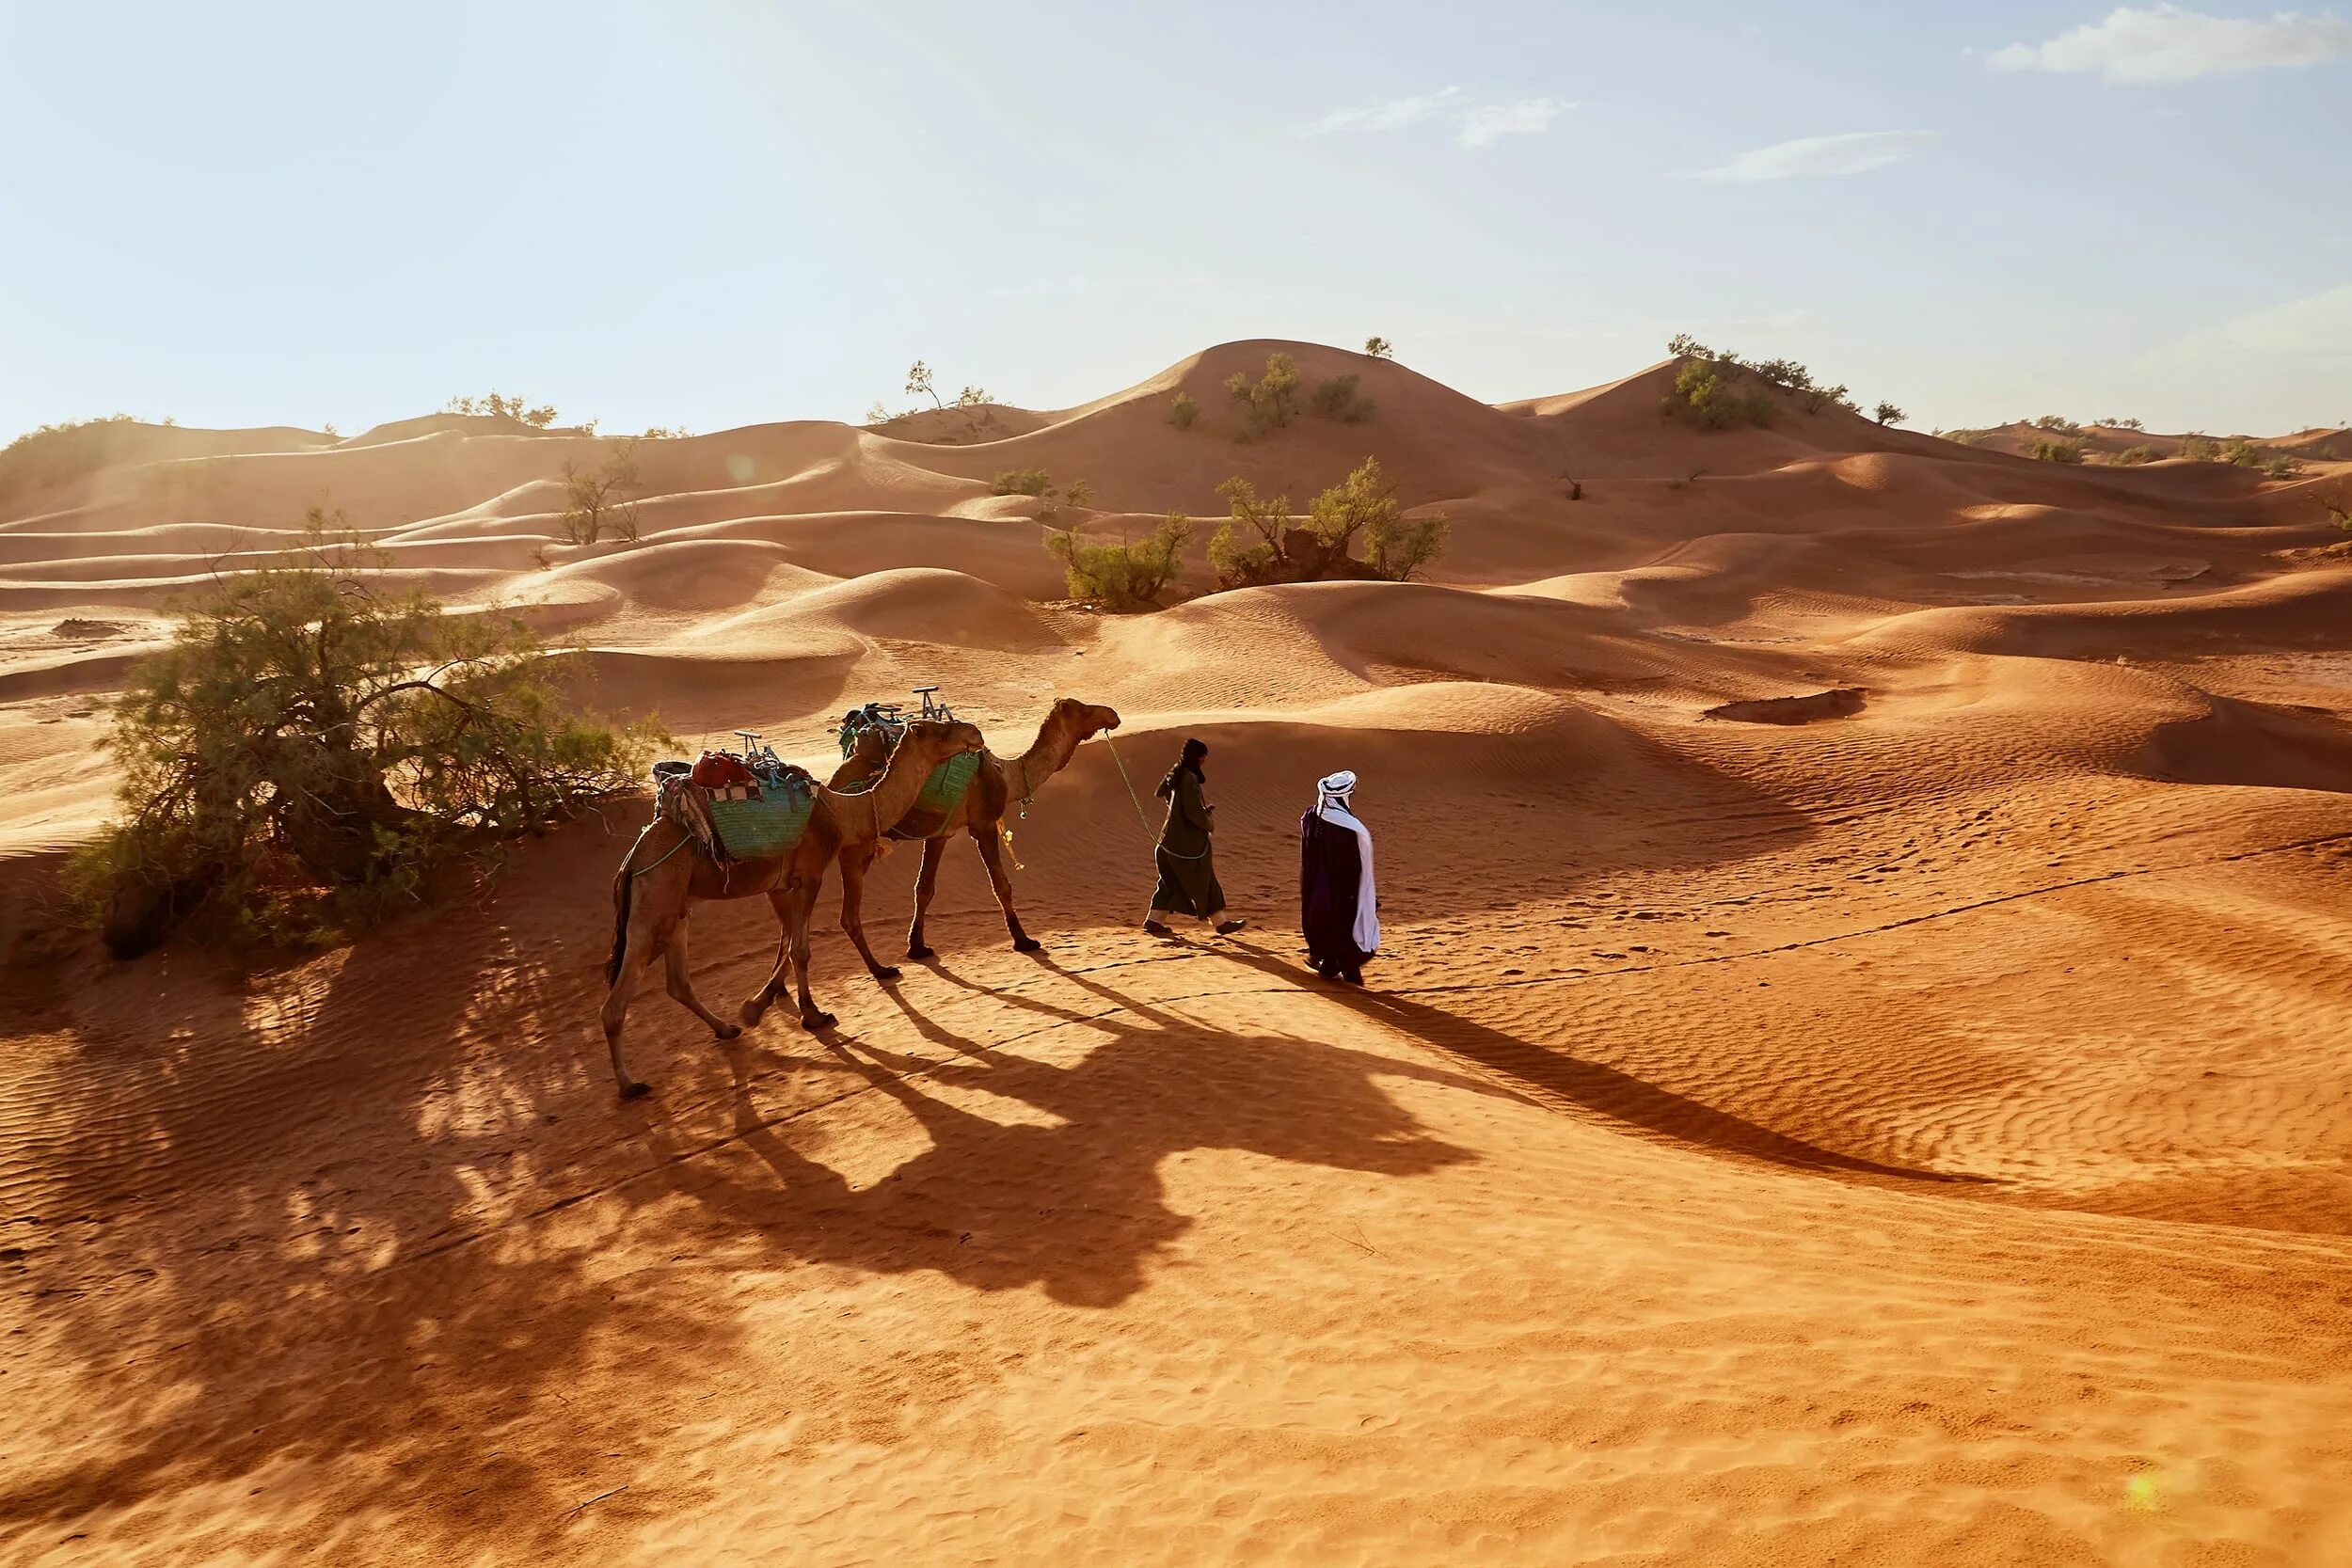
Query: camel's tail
{"points": [[624, 886]]}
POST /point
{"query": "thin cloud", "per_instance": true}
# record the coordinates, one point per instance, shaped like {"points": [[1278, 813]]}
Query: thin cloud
{"points": [[1392, 116], [1489, 123], [1851, 153], [2141, 44]]}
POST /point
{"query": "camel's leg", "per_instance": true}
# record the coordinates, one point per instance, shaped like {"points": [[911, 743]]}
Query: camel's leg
{"points": [[991, 840], [647, 903], [926, 884], [854, 864], [778, 900], [682, 984], [801, 903]]}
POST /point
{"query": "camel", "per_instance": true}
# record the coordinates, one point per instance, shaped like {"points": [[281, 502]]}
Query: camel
{"points": [[666, 873], [994, 789]]}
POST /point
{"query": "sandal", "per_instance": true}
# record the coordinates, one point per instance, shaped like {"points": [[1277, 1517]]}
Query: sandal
{"points": [[1227, 927], [1154, 928]]}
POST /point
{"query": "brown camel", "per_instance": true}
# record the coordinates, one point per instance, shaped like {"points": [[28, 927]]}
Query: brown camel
{"points": [[994, 789], [665, 873]]}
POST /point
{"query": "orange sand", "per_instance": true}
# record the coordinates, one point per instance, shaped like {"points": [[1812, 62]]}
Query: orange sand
{"points": [[1915, 1135]]}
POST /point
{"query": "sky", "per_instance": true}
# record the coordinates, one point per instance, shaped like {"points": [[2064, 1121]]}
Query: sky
{"points": [[714, 213]]}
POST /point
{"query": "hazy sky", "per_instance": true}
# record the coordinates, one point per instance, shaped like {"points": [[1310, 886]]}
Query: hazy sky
{"points": [[717, 214]]}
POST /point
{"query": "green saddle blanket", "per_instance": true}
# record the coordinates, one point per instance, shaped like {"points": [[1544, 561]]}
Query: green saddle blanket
{"points": [[764, 829], [941, 791]]}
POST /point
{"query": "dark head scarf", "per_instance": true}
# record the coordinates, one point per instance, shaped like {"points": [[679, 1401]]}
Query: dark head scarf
{"points": [[1189, 763]]}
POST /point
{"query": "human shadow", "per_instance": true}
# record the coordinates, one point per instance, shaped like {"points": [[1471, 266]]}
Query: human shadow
{"points": [[1586, 1086]]}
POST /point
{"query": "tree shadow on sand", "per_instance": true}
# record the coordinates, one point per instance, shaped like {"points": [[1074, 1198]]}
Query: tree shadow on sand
{"points": [[1572, 1083]]}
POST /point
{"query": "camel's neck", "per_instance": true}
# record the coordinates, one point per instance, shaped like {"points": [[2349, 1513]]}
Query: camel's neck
{"points": [[1047, 756], [865, 816]]}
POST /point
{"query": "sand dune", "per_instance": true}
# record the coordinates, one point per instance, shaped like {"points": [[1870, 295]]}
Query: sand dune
{"points": [[1857, 1077]]}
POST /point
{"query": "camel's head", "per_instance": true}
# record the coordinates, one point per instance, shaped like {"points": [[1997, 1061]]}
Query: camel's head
{"points": [[1085, 720], [940, 738]]}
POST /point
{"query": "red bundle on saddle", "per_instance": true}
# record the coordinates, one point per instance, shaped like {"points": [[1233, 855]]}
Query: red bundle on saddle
{"points": [[718, 771]]}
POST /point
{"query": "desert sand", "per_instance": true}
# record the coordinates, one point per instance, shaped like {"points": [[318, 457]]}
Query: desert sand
{"points": [[1859, 1075]]}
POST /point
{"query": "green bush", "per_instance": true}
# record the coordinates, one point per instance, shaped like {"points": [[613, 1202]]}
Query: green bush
{"points": [[1887, 413], [2199, 448], [1020, 482], [1337, 398], [1183, 410], [1128, 575], [2131, 457], [2059, 422], [2279, 465], [1705, 396], [318, 743], [1247, 548], [2057, 452], [1379, 348], [1271, 401]]}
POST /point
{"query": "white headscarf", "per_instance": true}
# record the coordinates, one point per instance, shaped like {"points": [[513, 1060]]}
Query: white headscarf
{"points": [[1331, 805]]}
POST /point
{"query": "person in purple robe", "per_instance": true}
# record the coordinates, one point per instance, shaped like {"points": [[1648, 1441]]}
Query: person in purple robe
{"points": [[1339, 902]]}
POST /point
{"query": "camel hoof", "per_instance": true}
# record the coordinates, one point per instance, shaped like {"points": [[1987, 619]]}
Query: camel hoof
{"points": [[814, 1021], [1028, 945], [729, 1031], [885, 975], [634, 1092], [916, 951], [750, 1012]]}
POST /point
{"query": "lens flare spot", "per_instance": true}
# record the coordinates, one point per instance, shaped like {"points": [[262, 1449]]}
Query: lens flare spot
{"points": [[741, 469], [2144, 1492]]}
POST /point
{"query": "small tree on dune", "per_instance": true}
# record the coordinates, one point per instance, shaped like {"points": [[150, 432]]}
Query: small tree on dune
{"points": [[2057, 452], [1379, 348], [593, 509], [318, 742], [1247, 548], [1183, 409], [1269, 402], [973, 397], [1125, 576], [919, 381], [1887, 413]]}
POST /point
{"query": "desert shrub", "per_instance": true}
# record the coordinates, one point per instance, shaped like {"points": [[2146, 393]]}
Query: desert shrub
{"points": [[2339, 512], [1247, 548], [1337, 398], [2199, 448], [1963, 437], [1784, 372], [1887, 413], [2059, 422], [1819, 398], [1020, 482], [1129, 575], [973, 397], [2119, 424], [2131, 457], [498, 407], [920, 383], [666, 433], [593, 509], [2279, 465], [1706, 395], [1079, 491], [2057, 452], [1183, 409], [1271, 401], [1379, 348], [2243, 453], [879, 413], [317, 744]]}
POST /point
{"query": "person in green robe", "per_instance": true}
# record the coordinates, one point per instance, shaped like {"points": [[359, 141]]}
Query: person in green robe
{"points": [[1188, 882]]}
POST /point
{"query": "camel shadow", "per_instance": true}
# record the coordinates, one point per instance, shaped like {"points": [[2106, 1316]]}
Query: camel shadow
{"points": [[1047, 1173], [1562, 1080]]}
